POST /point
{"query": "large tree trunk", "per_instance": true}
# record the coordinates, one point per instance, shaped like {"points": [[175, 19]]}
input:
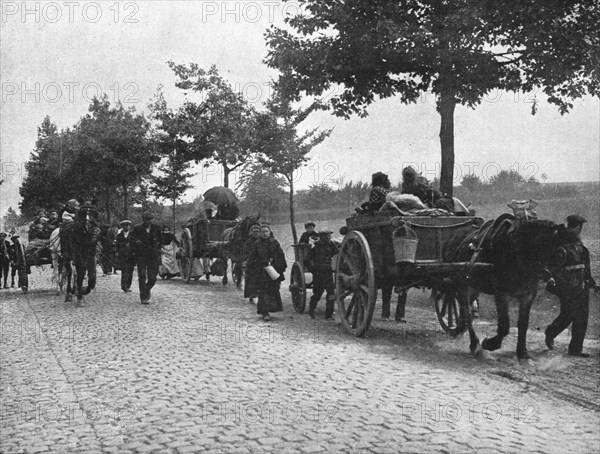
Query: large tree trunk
{"points": [[226, 172], [446, 106], [108, 219], [174, 205], [125, 201], [292, 217]]}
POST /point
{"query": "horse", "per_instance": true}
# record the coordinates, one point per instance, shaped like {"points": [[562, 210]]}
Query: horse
{"points": [[78, 241], [522, 252], [234, 239]]}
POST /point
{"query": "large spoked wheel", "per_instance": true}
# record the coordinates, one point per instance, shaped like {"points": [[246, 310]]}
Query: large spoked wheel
{"points": [[187, 255], [448, 309], [298, 287], [355, 284], [23, 280]]}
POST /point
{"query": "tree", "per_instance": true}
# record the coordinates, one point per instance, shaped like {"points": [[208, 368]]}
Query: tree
{"points": [[173, 182], [319, 195], [460, 50], [283, 149], [11, 219], [221, 127], [506, 179], [471, 182], [54, 171], [117, 145], [261, 190]]}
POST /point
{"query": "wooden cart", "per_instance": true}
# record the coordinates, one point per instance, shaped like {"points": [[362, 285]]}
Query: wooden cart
{"points": [[367, 259], [202, 239]]}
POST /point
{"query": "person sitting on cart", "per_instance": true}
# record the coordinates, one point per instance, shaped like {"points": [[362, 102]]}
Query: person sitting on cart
{"points": [[319, 264], [309, 233], [381, 187], [37, 228], [53, 220], [69, 211], [228, 211]]}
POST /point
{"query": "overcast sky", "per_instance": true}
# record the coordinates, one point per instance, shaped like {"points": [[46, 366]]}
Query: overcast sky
{"points": [[56, 55]]}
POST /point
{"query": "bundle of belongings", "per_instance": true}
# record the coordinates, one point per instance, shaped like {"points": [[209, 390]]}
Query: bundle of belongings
{"points": [[419, 198]]}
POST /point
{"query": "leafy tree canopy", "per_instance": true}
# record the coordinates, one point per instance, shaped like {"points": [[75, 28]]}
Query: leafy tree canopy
{"points": [[460, 50]]}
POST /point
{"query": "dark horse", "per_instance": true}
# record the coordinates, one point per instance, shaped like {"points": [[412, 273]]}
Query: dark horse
{"points": [[522, 253], [234, 239], [78, 240]]}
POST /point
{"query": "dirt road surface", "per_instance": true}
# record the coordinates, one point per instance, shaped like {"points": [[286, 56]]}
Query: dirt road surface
{"points": [[198, 371]]}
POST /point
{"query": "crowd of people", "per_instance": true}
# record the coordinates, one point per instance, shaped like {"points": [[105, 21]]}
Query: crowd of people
{"points": [[153, 250]]}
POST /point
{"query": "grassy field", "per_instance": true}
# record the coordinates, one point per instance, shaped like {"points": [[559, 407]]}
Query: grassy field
{"points": [[546, 306]]}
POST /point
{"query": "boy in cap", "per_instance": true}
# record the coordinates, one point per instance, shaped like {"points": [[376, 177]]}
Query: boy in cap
{"points": [[319, 264], [573, 308], [147, 244], [125, 255], [309, 233]]}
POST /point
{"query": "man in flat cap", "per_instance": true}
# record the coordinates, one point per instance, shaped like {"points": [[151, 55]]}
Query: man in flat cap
{"points": [[575, 223], [125, 255], [574, 308], [319, 264], [147, 243]]}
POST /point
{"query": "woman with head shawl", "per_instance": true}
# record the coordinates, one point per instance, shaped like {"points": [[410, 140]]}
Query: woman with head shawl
{"points": [[252, 273], [264, 253]]}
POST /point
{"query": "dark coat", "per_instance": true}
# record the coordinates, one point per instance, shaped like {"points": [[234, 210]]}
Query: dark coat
{"points": [[266, 252], [320, 255], [125, 249], [306, 236], [146, 245], [252, 272]]}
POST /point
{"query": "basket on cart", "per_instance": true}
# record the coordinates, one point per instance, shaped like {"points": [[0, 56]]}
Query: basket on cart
{"points": [[405, 242]]}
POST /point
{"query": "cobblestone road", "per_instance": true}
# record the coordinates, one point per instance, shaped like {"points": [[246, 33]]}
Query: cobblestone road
{"points": [[197, 371]]}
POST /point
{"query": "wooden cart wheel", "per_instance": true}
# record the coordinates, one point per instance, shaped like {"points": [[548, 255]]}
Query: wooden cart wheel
{"points": [[355, 284], [448, 310], [24, 281], [187, 260], [298, 287]]}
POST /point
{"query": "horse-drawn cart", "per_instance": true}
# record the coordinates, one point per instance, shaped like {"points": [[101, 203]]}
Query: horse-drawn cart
{"points": [[202, 239], [403, 251]]}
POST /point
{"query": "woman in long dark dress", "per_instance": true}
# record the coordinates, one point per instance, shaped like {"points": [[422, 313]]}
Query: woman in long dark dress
{"points": [[264, 252], [252, 273]]}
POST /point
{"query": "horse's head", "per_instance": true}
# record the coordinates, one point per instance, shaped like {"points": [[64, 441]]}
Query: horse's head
{"points": [[246, 223], [87, 217], [543, 246]]}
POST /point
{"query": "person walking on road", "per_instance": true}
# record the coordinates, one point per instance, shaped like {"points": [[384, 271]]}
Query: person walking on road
{"points": [[147, 245], [125, 255], [574, 308], [252, 273], [266, 256], [319, 264], [168, 259]]}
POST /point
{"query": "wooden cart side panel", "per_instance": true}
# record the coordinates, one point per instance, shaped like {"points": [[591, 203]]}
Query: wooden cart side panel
{"points": [[216, 227], [432, 232]]}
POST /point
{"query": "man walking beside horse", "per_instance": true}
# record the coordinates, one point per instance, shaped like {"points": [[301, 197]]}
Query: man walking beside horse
{"points": [[574, 305]]}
